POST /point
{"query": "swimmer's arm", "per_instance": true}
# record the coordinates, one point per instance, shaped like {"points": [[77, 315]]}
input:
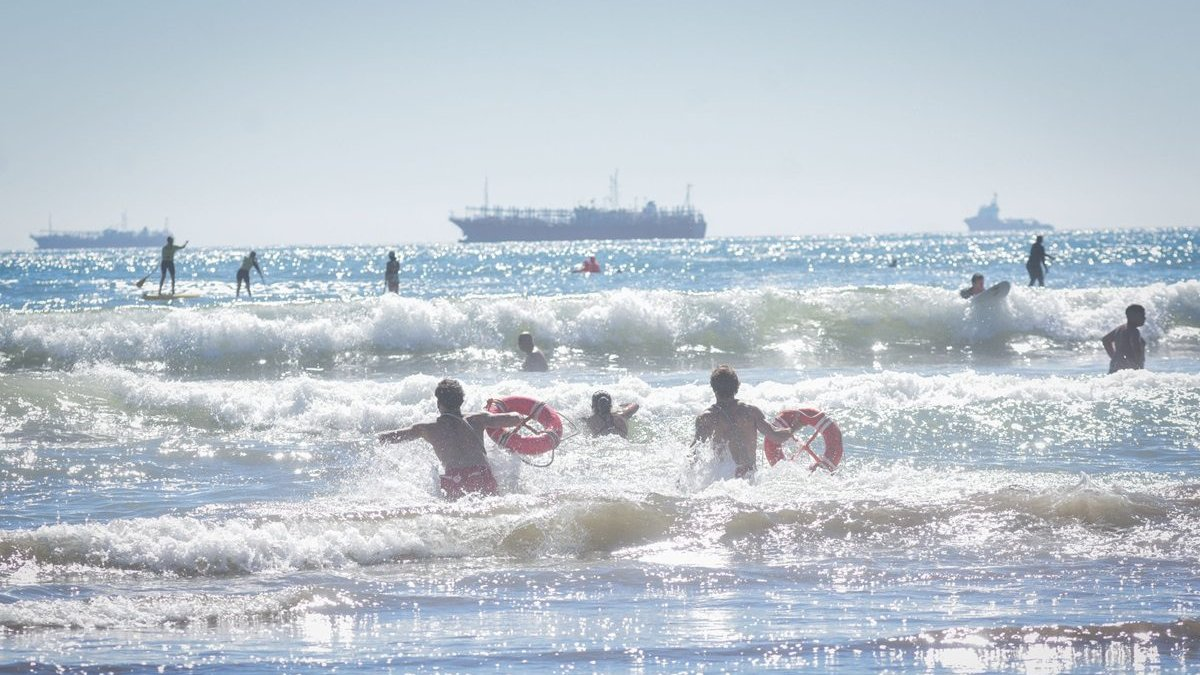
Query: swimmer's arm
{"points": [[704, 429], [406, 434], [489, 420], [627, 410], [1139, 348], [1110, 343], [777, 434]]}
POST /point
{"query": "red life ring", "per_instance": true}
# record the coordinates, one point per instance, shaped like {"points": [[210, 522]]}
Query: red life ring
{"points": [[808, 417], [541, 441]]}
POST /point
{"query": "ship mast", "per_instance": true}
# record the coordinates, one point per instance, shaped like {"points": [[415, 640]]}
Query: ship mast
{"points": [[614, 191], [687, 198]]}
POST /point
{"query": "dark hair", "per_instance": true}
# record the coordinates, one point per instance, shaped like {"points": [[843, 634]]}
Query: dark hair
{"points": [[975, 276], [449, 394], [391, 255], [724, 381], [601, 403], [1133, 310]]}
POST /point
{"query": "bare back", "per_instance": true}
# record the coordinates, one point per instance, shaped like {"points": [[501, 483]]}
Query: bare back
{"points": [[732, 426], [457, 441]]}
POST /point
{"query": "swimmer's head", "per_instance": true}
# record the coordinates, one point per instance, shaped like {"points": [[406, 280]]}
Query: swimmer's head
{"points": [[525, 341], [1136, 315], [449, 395], [724, 382], [601, 403], [170, 240], [391, 255]]}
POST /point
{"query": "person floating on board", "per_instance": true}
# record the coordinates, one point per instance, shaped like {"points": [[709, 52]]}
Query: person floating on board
{"points": [[535, 360], [168, 263], [590, 266], [734, 426], [975, 288], [391, 275], [457, 441], [604, 421], [243, 273], [1124, 344], [1037, 262]]}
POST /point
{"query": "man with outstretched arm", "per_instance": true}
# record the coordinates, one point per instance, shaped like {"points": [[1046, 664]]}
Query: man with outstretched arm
{"points": [[167, 263], [457, 441], [734, 426]]}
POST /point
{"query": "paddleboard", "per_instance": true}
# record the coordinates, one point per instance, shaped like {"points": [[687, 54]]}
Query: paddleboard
{"points": [[994, 293], [168, 296]]}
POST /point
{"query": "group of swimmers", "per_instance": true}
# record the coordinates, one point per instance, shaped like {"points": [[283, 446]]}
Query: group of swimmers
{"points": [[729, 425]]}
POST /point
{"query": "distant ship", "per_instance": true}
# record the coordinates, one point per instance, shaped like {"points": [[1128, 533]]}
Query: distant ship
{"points": [[109, 237], [988, 219], [490, 223]]}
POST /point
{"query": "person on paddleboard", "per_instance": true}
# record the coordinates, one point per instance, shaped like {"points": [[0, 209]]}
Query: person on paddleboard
{"points": [[457, 441], [247, 263], [391, 273], [535, 360], [974, 289], [1124, 344], [733, 426], [168, 263], [604, 421]]}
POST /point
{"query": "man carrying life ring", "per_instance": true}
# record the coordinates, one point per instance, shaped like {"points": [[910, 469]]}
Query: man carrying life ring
{"points": [[457, 441], [734, 426]]}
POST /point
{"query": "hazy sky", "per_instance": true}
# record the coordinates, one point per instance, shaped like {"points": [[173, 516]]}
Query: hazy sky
{"points": [[263, 122]]}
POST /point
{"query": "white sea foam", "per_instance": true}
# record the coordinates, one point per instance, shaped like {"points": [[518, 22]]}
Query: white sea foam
{"points": [[625, 321]]}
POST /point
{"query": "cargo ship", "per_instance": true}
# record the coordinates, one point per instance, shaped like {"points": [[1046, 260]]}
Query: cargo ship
{"points": [[491, 223], [988, 219], [110, 237]]}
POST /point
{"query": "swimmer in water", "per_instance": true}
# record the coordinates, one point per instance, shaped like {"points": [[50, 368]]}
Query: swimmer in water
{"points": [[604, 421], [1124, 344], [535, 360], [733, 426], [974, 289], [457, 441]]}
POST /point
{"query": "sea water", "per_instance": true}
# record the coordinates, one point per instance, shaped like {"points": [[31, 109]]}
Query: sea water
{"points": [[195, 485]]}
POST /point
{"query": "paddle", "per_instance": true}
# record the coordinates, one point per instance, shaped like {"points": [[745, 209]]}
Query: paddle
{"points": [[142, 281]]}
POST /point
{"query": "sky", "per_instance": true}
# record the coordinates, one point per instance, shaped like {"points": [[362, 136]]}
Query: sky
{"points": [[297, 122]]}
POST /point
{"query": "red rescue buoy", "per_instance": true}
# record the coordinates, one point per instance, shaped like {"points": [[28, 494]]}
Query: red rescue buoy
{"points": [[825, 427], [537, 442]]}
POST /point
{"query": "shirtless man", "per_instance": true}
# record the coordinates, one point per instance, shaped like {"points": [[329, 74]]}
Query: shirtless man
{"points": [[535, 360], [457, 441], [168, 263], [604, 421], [974, 289], [734, 426], [243, 274], [1124, 344]]}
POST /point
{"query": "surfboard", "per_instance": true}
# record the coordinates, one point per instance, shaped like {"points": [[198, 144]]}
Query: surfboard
{"points": [[997, 292], [167, 296]]}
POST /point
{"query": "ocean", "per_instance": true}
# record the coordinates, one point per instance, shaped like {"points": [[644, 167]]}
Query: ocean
{"points": [[195, 485]]}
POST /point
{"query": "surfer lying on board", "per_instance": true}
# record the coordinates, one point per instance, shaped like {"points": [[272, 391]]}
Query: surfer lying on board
{"points": [[975, 289], [1124, 344], [604, 421], [168, 263], [457, 441], [734, 426], [243, 273]]}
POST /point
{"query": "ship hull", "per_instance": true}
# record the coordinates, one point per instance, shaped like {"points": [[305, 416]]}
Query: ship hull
{"points": [[493, 229], [106, 239]]}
